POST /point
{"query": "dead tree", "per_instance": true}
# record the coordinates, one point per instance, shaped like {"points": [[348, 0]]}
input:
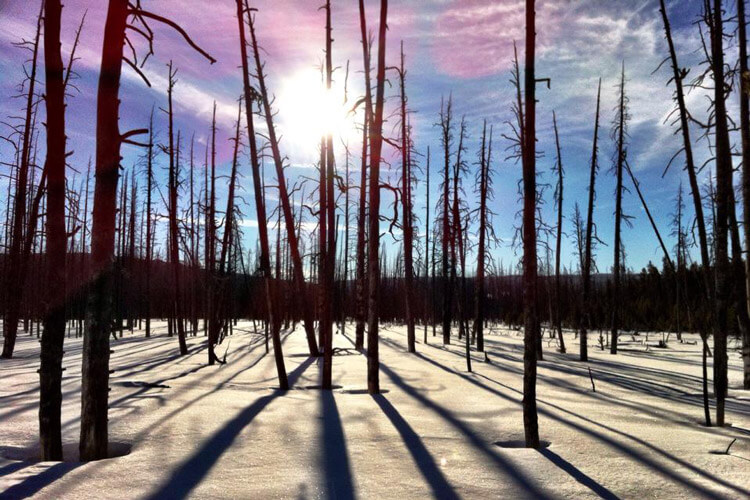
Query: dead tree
{"points": [[446, 137], [361, 277], [298, 270], [619, 134], [50, 370], [149, 223], [590, 236], [174, 235], [428, 306], [373, 264], [678, 76], [559, 199], [95, 371], [485, 194], [327, 226], [745, 131], [17, 265], [406, 212], [274, 317], [531, 319], [723, 198]]}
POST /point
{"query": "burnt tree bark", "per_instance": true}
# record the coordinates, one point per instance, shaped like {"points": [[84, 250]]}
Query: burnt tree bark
{"points": [[50, 370]]}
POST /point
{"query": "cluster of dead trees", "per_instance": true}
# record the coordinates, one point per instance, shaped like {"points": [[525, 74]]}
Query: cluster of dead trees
{"points": [[168, 249]]}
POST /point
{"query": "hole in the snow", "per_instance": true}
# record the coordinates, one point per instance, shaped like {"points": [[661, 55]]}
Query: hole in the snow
{"points": [[519, 443], [70, 452], [140, 383], [319, 386]]}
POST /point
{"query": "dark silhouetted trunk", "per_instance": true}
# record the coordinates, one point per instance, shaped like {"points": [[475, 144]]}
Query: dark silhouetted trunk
{"points": [[274, 317], [531, 319], [558, 243], [619, 167], [50, 370]]}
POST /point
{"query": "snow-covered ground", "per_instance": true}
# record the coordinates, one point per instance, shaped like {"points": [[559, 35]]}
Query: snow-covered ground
{"points": [[225, 431]]}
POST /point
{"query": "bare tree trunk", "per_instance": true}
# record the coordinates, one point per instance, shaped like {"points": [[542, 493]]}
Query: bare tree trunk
{"points": [[260, 209], [174, 237], [16, 263], [406, 212], [427, 304], [677, 76], [299, 278], [619, 167], [376, 145], [587, 261], [362, 284], [531, 320], [559, 193], [95, 369], [446, 114], [723, 199], [50, 370], [745, 130]]}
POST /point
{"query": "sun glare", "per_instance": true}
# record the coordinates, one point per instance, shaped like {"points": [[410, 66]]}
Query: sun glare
{"points": [[309, 111]]}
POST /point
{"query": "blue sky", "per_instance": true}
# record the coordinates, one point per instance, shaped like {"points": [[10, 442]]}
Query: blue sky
{"points": [[458, 47]]}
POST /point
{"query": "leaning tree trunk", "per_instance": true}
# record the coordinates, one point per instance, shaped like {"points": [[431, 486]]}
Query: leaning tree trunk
{"points": [[298, 273], [50, 370], [274, 317], [531, 320], [677, 77]]}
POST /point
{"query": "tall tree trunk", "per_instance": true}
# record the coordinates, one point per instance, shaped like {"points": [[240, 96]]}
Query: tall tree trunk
{"points": [[299, 278], [362, 284], [274, 317], [50, 370], [587, 261], [446, 114], [558, 244], [677, 76], [174, 235], [427, 304], [376, 145], [406, 212], [17, 265], [723, 199], [149, 223], [745, 130], [620, 164], [531, 320], [95, 368]]}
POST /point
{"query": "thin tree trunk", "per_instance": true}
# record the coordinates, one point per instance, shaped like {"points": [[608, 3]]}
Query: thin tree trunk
{"points": [[558, 245]]}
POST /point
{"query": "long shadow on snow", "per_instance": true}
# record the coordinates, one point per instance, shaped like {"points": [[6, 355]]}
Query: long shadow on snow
{"points": [[33, 484], [192, 472], [516, 475], [339, 484], [698, 488], [439, 485]]}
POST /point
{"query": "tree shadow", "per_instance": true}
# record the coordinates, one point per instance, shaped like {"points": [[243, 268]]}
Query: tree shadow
{"points": [[439, 485], [639, 457], [515, 474], [339, 483], [191, 472], [576, 474], [33, 484]]}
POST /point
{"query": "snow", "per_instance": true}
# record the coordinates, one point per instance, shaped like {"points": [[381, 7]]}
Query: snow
{"points": [[225, 432]]}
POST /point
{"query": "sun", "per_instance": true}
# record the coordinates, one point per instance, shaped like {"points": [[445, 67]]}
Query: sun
{"points": [[308, 111]]}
